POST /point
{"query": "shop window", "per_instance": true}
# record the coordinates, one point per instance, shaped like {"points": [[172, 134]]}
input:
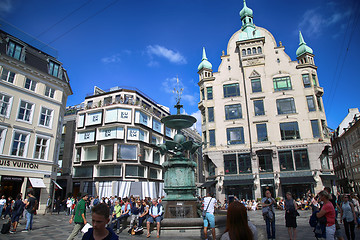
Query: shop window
{"points": [[265, 161], [126, 152], [301, 159], [285, 106], [289, 131], [282, 83], [244, 162], [233, 111], [230, 164], [256, 85], [286, 161], [231, 90]]}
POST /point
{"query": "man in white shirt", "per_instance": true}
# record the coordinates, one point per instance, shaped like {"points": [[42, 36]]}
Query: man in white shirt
{"points": [[2, 204], [209, 219], [155, 212]]}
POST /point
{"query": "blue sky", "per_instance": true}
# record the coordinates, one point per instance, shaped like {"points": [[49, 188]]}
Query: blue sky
{"points": [[147, 44]]}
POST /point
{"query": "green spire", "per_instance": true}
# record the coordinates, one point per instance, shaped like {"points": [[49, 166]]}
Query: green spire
{"points": [[303, 48], [246, 11], [204, 62]]}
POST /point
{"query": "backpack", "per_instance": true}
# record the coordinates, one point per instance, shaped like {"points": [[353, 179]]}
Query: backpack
{"points": [[6, 227], [96, 202]]}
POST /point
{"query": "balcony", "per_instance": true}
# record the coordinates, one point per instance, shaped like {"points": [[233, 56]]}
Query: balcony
{"points": [[319, 91]]}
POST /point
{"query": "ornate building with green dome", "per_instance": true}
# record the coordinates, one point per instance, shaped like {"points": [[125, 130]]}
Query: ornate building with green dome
{"points": [[263, 120]]}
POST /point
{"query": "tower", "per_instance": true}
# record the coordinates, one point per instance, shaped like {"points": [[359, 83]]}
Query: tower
{"points": [[304, 53], [205, 67]]}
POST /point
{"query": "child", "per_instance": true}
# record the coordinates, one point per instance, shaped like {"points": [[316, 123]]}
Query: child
{"points": [[99, 231]]}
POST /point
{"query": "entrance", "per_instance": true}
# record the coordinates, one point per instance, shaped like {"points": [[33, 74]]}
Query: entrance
{"points": [[11, 186], [76, 189], [241, 192]]}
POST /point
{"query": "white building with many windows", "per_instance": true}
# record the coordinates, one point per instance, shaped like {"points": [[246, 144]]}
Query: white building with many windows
{"points": [[33, 91], [115, 152], [263, 119]]}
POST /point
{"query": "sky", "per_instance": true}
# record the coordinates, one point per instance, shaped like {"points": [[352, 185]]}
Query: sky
{"points": [[148, 44]]}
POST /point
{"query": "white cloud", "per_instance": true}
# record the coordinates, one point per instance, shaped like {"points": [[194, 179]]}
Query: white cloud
{"points": [[197, 115], [111, 59], [5, 6], [170, 55]]}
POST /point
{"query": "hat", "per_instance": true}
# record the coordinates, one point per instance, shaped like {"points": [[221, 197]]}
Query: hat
{"points": [[84, 194]]}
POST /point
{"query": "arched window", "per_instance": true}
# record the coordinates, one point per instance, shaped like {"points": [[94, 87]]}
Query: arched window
{"points": [[259, 50], [249, 51], [249, 19], [243, 52], [254, 50]]}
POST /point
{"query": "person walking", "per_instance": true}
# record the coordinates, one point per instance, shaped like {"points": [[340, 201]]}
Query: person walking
{"points": [[348, 216], [30, 207], [48, 205], [79, 216], [356, 203], [17, 211], [290, 215], [8, 208], [2, 204], [328, 211], [68, 206], [237, 224], [209, 218], [268, 212]]}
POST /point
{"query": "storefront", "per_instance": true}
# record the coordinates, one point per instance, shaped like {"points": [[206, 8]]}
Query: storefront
{"points": [[242, 189], [10, 185], [298, 186], [267, 184]]}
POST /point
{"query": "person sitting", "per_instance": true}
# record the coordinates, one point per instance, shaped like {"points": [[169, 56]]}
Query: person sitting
{"points": [[155, 214], [115, 215], [100, 217], [125, 213], [144, 211], [237, 224]]}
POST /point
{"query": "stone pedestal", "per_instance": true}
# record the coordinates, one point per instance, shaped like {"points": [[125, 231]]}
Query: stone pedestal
{"points": [[180, 209]]}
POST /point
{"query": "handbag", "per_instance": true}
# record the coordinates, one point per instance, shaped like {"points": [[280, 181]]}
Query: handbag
{"points": [[204, 212]]}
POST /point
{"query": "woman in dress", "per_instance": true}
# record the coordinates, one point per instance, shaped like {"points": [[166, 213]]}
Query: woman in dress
{"points": [[290, 215], [237, 224]]}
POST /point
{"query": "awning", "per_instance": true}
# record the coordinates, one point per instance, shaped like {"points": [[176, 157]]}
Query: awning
{"points": [[208, 184], [238, 182], [297, 180], [37, 182], [328, 177], [57, 185]]}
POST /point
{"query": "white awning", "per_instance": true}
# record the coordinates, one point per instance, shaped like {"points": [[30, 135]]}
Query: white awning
{"points": [[57, 185], [37, 182]]}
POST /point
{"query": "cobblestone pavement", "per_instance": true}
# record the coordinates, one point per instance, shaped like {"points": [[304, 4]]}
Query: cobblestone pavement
{"points": [[57, 227]]}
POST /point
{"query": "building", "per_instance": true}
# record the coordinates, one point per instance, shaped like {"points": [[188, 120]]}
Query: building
{"points": [[33, 91], [345, 142], [115, 152], [263, 117]]}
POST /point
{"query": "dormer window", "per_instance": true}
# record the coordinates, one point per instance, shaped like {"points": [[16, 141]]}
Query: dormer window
{"points": [[54, 68], [14, 50]]}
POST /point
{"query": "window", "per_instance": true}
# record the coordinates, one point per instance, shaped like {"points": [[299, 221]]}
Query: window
{"points": [[90, 153], [285, 106], [54, 68], [265, 161], [259, 107], [14, 50], [49, 92], [314, 79], [2, 138], [19, 144], [25, 111], [310, 103], [212, 137], [230, 164], [5, 102], [301, 159], [259, 49], [156, 157], [233, 111], [7, 76], [325, 129], [306, 80], [89, 104], [41, 148], [282, 83], [107, 101], [83, 172], [202, 94], [318, 99], [253, 50], [289, 131], [134, 171], [108, 151], [210, 114], [209, 92], [249, 51], [30, 84], [315, 128], [231, 90], [109, 171], [203, 116], [256, 85], [153, 173], [286, 161], [211, 168], [243, 52], [128, 152], [45, 117], [244, 162], [205, 139], [261, 132], [235, 135]]}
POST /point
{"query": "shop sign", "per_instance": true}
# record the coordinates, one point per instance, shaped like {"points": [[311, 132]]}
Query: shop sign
{"points": [[10, 163], [11, 178]]}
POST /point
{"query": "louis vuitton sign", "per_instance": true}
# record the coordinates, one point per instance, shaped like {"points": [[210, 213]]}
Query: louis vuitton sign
{"points": [[17, 164]]}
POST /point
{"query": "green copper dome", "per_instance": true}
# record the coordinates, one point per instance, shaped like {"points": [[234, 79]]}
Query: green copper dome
{"points": [[303, 48], [204, 62], [245, 11]]}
